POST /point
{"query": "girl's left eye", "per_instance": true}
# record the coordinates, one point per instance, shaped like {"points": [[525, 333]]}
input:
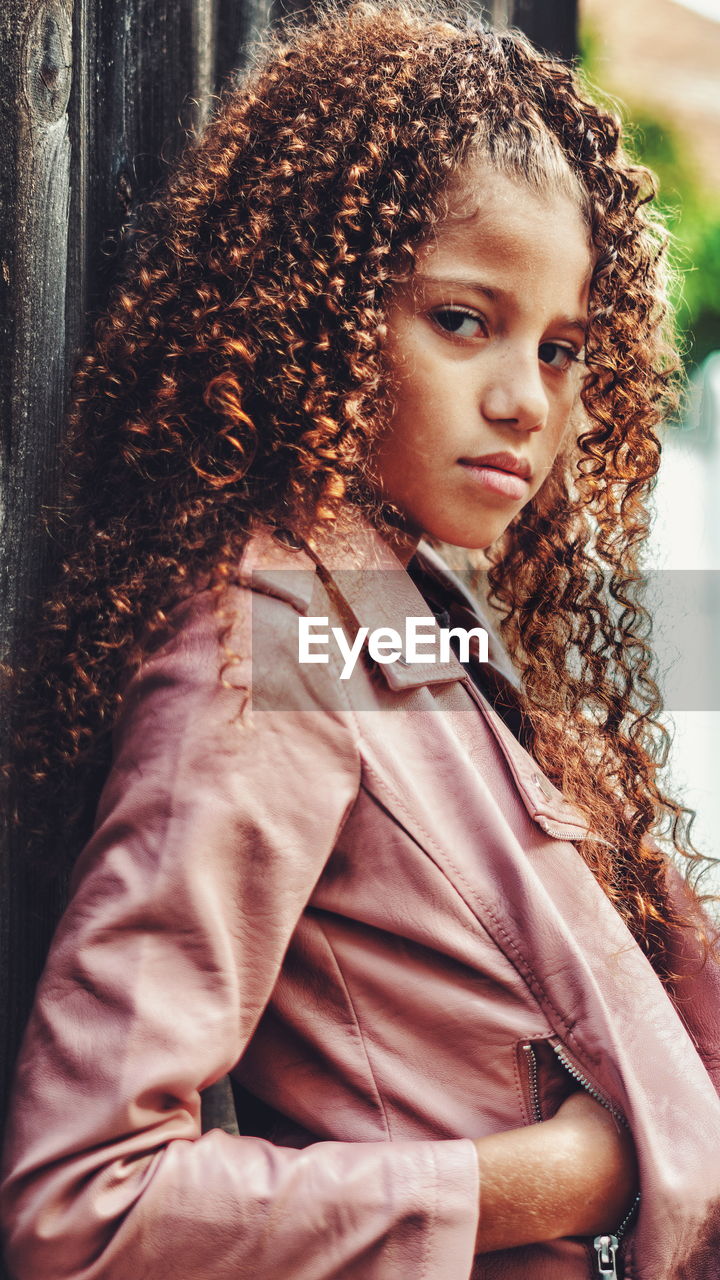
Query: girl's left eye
{"points": [[461, 323], [556, 355]]}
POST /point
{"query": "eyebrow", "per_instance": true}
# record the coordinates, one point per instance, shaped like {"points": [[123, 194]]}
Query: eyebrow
{"points": [[495, 295]]}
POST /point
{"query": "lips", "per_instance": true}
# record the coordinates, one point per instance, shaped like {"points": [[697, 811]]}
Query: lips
{"points": [[507, 462], [499, 477]]}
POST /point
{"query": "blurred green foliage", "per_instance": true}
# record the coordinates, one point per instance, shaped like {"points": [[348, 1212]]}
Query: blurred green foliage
{"points": [[691, 208]]}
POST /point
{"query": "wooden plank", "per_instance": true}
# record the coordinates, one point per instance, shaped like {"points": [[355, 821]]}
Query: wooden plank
{"points": [[35, 164], [96, 97], [551, 24], [203, 44], [149, 66], [501, 12], [36, 238], [237, 26]]}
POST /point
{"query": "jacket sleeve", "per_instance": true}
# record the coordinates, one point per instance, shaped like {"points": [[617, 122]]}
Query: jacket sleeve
{"points": [[212, 830], [696, 969]]}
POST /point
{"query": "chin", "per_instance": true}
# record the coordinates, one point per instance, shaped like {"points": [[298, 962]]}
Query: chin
{"points": [[468, 539]]}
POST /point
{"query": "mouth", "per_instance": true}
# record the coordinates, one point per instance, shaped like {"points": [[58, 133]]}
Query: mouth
{"points": [[507, 462], [504, 474]]}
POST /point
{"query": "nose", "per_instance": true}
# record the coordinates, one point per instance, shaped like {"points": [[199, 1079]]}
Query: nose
{"points": [[514, 393]]}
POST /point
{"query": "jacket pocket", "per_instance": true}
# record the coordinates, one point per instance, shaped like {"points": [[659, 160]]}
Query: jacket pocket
{"points": [[545, 1081]]}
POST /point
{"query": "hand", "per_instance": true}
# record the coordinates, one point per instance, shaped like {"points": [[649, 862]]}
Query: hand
{"points": [[572, 1175]]}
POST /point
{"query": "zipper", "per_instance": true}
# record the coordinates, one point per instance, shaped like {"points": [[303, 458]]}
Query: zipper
{"points": [[572, 1070], [531, 1060], [577, 1074], [628, 1218], [604, 1247]]}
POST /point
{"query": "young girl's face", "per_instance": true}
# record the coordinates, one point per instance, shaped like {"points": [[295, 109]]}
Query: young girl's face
{"points": [[484, 346]]}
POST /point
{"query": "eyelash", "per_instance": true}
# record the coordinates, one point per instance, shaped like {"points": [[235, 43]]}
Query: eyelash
{"points": [[571, 355], [456, 312]]}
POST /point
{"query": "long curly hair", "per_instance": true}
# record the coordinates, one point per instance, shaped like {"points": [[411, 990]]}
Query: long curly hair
{"points": [[238, 374]]}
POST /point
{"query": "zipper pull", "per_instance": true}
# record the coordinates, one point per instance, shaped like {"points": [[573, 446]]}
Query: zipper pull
{"points": [[606, 1249]]}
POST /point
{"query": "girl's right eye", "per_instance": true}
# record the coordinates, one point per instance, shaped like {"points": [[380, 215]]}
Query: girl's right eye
{"points": [[459, 322]]}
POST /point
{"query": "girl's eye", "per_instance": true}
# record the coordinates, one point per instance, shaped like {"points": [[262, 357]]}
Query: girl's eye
{"points": [[557, 355], [461, 323]]}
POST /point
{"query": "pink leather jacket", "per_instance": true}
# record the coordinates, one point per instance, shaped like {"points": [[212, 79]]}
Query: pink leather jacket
{"points": [[363, 899]]}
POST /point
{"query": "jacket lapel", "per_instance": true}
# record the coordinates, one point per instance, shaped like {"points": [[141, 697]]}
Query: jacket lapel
{"points": [[371, 588]]}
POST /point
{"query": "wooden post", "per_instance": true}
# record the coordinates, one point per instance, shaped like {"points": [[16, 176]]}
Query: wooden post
{"points": [[36, 165], [551, 24], [96, 97]]}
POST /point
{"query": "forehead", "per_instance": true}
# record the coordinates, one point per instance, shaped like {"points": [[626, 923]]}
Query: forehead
{"points": [[512, 234]]}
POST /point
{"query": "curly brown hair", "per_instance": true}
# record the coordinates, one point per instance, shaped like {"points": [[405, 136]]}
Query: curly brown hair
{"points": [[238, 374]]}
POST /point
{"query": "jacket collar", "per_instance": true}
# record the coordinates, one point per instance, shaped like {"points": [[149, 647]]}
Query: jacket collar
{"points": [[377, 591], [373, 589]]}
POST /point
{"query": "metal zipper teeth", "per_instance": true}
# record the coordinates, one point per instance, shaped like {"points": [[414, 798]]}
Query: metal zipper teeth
{"points": [[533, 1081], [577, 1074], [628, 1218]]}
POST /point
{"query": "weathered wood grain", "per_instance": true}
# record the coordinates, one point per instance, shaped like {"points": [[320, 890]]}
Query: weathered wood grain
{"points": [[36, 43], [237, 26], [35, 237], [96, 98], [551, 24]]}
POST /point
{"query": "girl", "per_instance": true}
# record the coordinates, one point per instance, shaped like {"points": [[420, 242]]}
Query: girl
{"points": [[405, 291]]}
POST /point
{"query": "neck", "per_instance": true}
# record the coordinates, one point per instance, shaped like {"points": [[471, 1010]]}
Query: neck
{"points": [[402, 544]]}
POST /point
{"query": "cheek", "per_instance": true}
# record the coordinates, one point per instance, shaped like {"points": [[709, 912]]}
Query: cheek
{"points": [[417, 399], [415, 382], [560, 426], [435, 403], [559, 438], [395, 453]]}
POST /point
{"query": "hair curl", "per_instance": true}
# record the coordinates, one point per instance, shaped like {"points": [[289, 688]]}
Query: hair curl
{"points": [[238, 373]]}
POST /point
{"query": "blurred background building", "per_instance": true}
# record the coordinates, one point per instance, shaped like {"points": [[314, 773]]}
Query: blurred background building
{"points": [[661, 58]]}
